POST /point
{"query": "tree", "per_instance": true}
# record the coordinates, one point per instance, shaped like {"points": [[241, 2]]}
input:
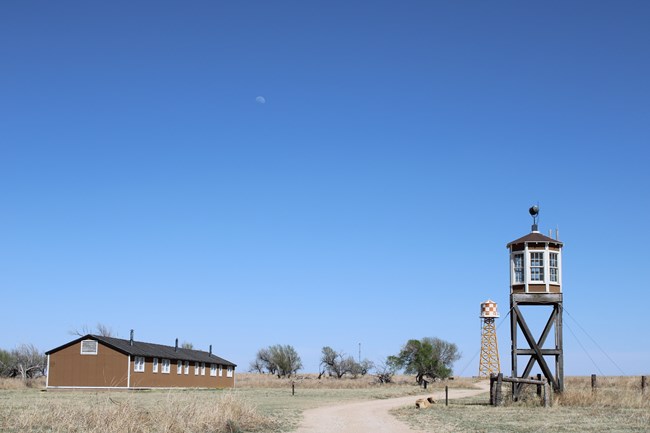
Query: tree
{"points": [[362, 368], [384, 373], [277, 359], [429, 357], [101, 329], [256, 366], [104, 330], [337, 364], [187, 345], [263, 362], [6, 363], [28, 362]]}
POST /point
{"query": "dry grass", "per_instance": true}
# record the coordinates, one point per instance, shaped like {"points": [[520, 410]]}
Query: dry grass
{"points": [[11, 383], [617, 392], [616, 406], [311, 381], [134, 412], [273, 396], [259, 403]]}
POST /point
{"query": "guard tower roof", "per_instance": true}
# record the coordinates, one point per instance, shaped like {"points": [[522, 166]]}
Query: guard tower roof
{"points": [[535, 237]]}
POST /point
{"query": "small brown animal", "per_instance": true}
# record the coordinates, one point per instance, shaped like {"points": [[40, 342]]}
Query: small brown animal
{"points": [[421, 403]]}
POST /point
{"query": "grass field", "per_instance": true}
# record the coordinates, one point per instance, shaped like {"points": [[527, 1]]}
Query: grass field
{"points": [[266, 404], [617, 406], [258, 404], [273, 397]]}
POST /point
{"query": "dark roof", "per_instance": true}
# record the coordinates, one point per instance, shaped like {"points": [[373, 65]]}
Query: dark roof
{"points": [[140, 348], [535, 237]]}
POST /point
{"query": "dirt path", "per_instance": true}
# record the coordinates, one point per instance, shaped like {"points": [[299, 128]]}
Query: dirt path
{"points": [[370, 416]]}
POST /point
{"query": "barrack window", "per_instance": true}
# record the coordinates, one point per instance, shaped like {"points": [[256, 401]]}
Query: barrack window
{"points": [[138, 364], [89, 347], [165, 366]]}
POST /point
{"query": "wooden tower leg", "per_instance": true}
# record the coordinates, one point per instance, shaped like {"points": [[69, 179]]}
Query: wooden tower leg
{"points": [[513, 333]]}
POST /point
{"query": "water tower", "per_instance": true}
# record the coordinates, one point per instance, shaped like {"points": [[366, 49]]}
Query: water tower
{"points": [[489, 348], [536, 281]]}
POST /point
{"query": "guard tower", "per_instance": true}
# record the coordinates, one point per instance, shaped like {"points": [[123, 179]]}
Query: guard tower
{"points": [[489, 348], [536, 281]]}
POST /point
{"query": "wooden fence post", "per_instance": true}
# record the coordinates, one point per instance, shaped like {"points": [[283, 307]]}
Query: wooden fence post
{"points": [[644, 385], [446, 395], [493, 380], [547, 393], [594, 383], [498, 396], [539, 387]]}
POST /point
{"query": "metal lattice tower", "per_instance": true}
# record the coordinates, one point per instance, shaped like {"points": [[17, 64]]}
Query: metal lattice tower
{"points": [[489, 347]]}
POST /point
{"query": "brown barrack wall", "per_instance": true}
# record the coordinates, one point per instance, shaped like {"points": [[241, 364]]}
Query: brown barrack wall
{"points": [[110, 368], [69, 368], [149, 379]]}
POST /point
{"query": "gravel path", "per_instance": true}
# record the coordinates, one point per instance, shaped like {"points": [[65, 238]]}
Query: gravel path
{"points": [[371, 416]]}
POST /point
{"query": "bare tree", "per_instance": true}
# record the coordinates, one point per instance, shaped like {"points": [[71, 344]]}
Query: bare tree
{"points": [[264, 359], [256, 366], [337, 364], [187, 345], [101, 329], [28, 361], [384, 373], [362, 368], [104, 330]]}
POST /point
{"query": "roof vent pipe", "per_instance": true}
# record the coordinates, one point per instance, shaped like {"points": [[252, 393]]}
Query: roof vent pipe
{"points": [[131, 339], [211, 350], [176, 347]]}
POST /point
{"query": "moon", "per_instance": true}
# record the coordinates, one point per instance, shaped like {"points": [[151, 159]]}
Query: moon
{"points": [[260, 100]]}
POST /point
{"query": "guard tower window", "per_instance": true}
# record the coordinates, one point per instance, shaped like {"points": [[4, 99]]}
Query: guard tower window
{"points": [[518, 267], [553, 268], [537, 266]]}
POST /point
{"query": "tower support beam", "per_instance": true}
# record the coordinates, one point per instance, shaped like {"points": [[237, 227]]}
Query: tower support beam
{"points": [[535, 350]]}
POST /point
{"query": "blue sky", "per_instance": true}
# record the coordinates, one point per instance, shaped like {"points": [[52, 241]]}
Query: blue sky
{"points": [[368, 200]]}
